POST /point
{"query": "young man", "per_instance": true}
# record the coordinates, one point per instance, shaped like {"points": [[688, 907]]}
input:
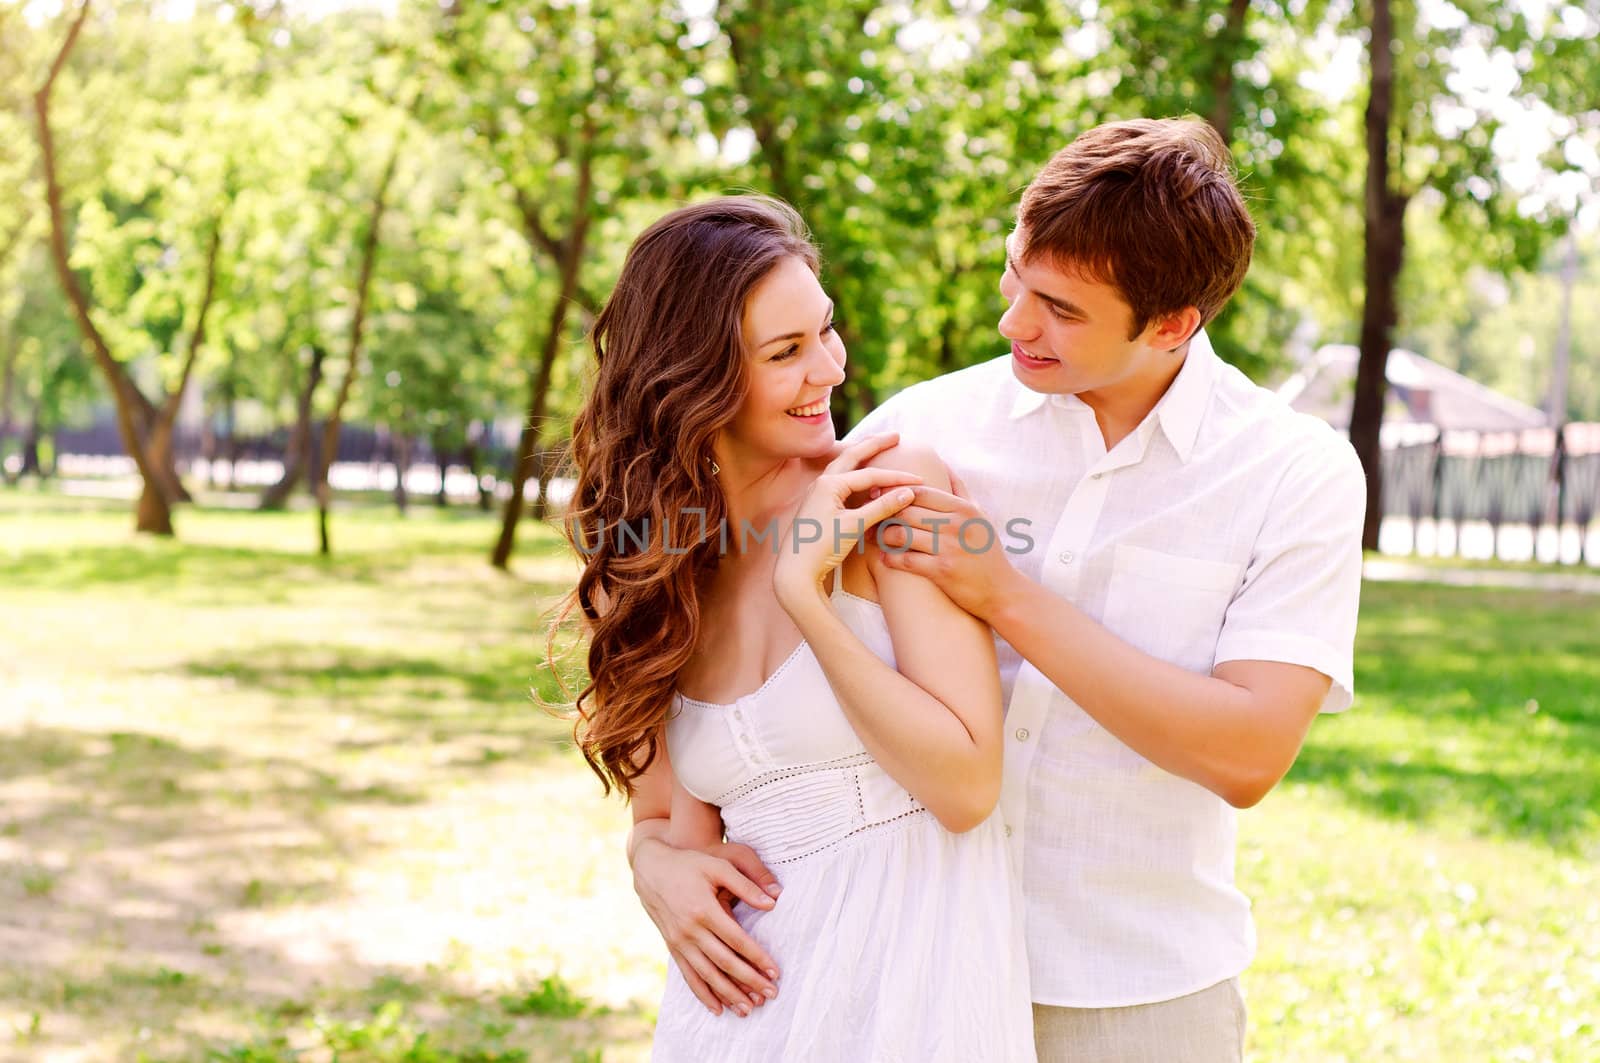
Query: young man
{"points": [[1172, 579]]}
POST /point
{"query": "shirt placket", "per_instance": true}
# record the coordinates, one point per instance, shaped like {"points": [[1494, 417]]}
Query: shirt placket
{"points": [[1030, 697]]}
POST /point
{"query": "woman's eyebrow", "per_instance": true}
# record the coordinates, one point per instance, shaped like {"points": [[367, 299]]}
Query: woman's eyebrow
{"points": [[793, 335]]}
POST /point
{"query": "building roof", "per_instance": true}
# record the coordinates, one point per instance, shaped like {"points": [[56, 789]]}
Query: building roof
{"points": [[1421, 391]]}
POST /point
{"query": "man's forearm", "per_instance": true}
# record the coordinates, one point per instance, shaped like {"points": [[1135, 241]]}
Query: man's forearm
{"points": [[1200, 727], [651, 829]]}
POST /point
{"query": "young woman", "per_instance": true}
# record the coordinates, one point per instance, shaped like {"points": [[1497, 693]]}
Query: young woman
{"points": [[758, 675]]}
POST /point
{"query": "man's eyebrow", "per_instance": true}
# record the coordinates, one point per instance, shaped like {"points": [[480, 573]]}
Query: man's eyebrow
{"points": [[794, 335], [1065, 305]]}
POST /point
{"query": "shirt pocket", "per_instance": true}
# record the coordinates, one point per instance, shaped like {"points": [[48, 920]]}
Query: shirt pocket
{"points": [[1170, 606]]}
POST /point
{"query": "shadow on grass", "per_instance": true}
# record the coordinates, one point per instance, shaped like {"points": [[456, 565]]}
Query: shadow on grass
{"points": [[489, 695], [403, 1017], [113, 796], [1478, 708], [168, 568], [381, 1015], [1559, 808]]}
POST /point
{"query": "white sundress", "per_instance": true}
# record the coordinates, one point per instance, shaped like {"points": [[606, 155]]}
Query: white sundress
{"points": [[896, 940]]}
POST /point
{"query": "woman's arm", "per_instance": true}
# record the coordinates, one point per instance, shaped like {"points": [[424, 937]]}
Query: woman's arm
{"points": [[935, 723]]}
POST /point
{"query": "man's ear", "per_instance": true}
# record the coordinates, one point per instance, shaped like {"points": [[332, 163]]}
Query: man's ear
{"points": [[1171, 331]]}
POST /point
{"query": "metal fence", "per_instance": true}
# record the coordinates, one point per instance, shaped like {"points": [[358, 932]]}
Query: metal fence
{"points": [[1539, 480]]}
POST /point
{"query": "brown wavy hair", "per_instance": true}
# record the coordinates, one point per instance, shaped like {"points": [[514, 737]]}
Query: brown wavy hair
{"points": [[1150, 205], [669, 375]]}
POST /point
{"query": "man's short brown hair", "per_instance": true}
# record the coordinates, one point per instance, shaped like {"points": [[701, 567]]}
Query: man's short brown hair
{"points": [[1148, 205]]}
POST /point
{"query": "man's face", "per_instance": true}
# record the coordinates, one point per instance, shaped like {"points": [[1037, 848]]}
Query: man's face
{"points": [[1069, 333]]}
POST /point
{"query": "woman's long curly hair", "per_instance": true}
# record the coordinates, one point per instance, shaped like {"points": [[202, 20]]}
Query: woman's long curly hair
{"points": [[670, 374]]}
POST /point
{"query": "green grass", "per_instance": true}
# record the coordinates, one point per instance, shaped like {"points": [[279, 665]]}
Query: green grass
{"points": [[258, 805]]}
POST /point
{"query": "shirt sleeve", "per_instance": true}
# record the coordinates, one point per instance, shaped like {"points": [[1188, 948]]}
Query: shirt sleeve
{"points": [[1302, 586]]}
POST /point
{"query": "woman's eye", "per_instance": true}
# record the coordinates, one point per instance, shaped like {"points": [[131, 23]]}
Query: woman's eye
{"points": [[832, 326], [788, 352]]}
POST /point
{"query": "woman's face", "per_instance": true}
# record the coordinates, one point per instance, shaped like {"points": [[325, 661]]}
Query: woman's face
{"points": [[794, 359]]}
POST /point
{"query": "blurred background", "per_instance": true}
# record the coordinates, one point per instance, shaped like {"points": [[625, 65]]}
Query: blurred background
{"points": [[293, 299]]}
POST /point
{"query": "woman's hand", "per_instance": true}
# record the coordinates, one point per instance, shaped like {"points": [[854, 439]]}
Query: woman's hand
{"points": [[825, 529]]}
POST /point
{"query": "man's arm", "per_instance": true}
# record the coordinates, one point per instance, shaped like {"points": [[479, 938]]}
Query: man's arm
{"points": [[683, 891], [1235, 731]]}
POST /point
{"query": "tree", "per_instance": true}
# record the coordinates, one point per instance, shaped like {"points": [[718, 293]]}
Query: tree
{"points": [[563, 100], [146, 426], [1428, 134]]}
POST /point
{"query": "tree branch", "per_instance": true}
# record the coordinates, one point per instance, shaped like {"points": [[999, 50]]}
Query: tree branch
{"points": [[169, 408]]}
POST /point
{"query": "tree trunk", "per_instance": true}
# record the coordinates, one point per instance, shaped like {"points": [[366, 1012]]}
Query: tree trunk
{"points": [[7, 393], [163, 456], [157, 517], [230, 423], [441, 499], [358, 321], [297, 452], [538, 396], [1385, 252], [568, 254], [30, 445], [136, 415], [469, 455], [400, 456], [1229, 44]]}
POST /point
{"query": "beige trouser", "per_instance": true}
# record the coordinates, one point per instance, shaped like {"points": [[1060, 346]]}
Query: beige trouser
{"points": [[1203, 1027]]}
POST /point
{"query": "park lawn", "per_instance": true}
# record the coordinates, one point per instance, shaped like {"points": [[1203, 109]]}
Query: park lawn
{"points": [[253, 803]]}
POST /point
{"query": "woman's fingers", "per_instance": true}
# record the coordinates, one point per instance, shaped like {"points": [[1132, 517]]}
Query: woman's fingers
{"points": [[860, 481], [881, 508], [856, 453]]}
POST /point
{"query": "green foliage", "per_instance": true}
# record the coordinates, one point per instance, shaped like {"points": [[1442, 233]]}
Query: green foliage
{"points": [[550, 130], [550, 996]]}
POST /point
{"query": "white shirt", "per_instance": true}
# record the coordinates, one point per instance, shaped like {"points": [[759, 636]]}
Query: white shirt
{"points": [[1225, 527]]}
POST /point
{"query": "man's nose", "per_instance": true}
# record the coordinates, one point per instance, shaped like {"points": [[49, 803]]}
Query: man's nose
{"points": [[1015, 324]]}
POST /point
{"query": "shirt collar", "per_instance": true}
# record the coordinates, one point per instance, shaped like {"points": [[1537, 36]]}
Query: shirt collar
{"points": [[1183, 407], [1180, 410]]}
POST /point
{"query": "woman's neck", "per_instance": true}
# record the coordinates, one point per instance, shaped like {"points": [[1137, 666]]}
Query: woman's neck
{"points": [[760, 491]]}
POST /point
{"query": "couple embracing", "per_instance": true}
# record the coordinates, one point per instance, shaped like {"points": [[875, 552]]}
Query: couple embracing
{"points": [[905, 786]]}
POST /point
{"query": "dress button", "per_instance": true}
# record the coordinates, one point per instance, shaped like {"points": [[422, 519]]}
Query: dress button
{"points": [[1022, 734], [1097, 476], [1008, 830], [1066, 557]]}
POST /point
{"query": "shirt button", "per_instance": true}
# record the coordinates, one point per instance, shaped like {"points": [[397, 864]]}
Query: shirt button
{"points": [[1097, 476], [1066, 557], [1008, 830], [1022, 734]]}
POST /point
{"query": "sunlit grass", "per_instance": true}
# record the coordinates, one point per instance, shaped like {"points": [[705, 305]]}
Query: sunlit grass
{"points": [[268, 806]]}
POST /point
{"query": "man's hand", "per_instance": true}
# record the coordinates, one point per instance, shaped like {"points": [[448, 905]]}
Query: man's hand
{"points": [[689, 894], [948, 539]]}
